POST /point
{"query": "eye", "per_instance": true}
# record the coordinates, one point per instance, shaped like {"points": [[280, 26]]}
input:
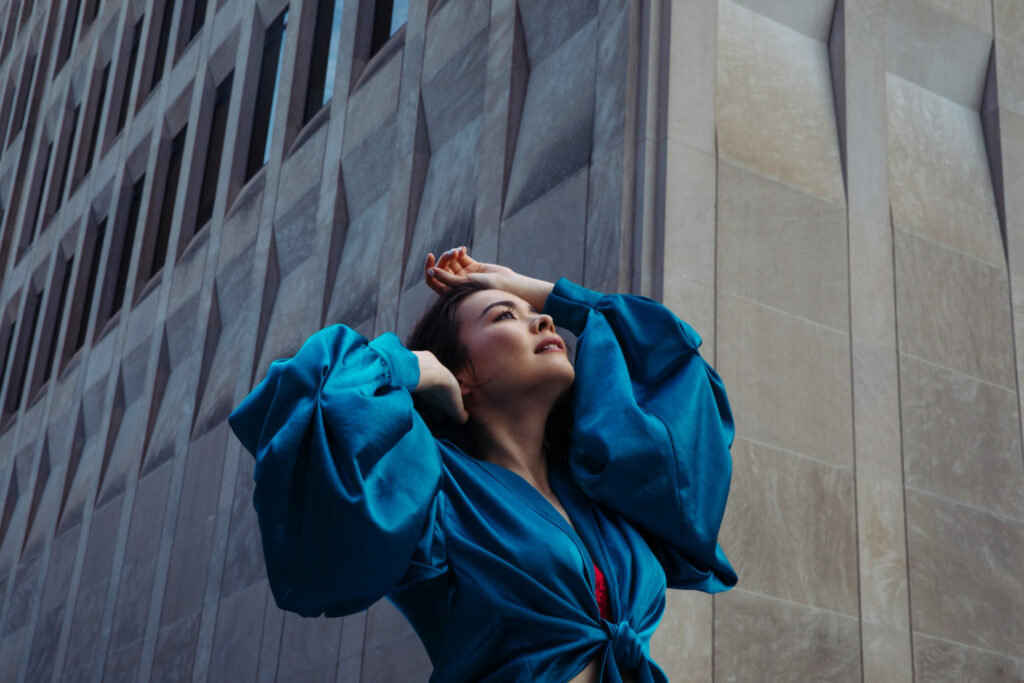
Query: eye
{"points": [[508, 311]]}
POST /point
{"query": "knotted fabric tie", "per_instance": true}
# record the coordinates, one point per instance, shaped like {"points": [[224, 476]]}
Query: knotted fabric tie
{"points": [[626, 644]]}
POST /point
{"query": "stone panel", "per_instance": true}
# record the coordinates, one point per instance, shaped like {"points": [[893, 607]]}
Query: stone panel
{"points": [[352, 297], [403, 660], [774, 102], [761, 639], [965, 580], [548, 25], [454, 95], [243, 563], [309, 648], [237, 635], [953, 310], [790, 528], [939, 174], [557, 125], [788, 378], [449, 28], [961, 438], [762, 224], [940, 661]]}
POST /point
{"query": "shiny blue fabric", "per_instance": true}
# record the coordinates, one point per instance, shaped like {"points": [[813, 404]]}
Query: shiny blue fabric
{"points": [[357, 500]]}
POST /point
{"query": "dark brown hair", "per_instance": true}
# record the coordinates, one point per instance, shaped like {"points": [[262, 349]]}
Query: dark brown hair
{"points": [[437, 331]]}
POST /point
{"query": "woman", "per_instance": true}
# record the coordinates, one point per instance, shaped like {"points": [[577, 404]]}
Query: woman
{"points": [[530, 535]]}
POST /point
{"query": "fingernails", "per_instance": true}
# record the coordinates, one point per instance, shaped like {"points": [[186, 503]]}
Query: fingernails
{"points": [[430, 272]]}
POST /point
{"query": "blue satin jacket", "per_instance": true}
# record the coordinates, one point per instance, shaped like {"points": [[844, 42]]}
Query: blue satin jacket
{"points": [[357, 500]]}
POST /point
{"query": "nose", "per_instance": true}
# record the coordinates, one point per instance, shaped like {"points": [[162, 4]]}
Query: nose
{"points": [[543, 321]]}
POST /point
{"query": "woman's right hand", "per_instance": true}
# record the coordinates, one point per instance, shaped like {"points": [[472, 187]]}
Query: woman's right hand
{"points": [[439, 387]]}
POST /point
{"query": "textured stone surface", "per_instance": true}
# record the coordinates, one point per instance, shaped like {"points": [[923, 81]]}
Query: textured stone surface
{"points": [[965, 583], [942, 661], [774, 102], [789, 378], [762, 224], [790, 529], [953, 310], [761, 639]]}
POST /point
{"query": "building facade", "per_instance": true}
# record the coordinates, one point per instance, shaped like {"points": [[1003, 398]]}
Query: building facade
{"points": [[829, 191]]}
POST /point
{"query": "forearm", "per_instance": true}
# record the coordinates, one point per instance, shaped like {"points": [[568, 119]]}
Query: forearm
{"points": [[533, 291]]}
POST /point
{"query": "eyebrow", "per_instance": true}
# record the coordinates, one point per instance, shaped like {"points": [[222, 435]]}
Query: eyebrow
{"points": [[504, 303]]}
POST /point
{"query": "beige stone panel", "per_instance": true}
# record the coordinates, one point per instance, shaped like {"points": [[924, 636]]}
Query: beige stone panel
{"points": [[953, 310], [882, 549], [1010, 74], [1009, 21], [759, 639], [789, 380], [790, 527], [781, 247], [690, 212], [774, 103], [1011, 137], [813, 18], [966, 583], [373, 100], [694, 302], [887, 654], [940, 661], [876, 412], [864, 21], [961, 437], [682, 644], [939, 176], [691, 74], [872, 287], [976, 13]]}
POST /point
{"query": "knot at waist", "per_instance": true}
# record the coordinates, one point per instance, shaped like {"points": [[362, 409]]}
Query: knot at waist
{"points": [[627, 645]]}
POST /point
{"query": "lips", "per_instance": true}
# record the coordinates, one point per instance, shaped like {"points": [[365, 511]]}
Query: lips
{"points": [[557, 341]]}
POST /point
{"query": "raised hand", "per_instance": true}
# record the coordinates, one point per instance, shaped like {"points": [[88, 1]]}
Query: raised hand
{"points": [[456, 266], [439, 387]]}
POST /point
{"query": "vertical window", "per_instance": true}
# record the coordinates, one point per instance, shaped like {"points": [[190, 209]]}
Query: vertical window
{"points": [[323, 63], [12, 403], [125, 258], [34, 222], [66, 164], [133, 55], [22, 101], [266, 95], [214, 149], [101, 98], [160, 58], [82, 313], [65, 285], [198, 18], [67, 35], [388, 17], [163, 232]]}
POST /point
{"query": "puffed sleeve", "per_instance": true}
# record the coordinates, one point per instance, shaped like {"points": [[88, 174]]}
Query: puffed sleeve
{"points": [[652, 428], [348, 476]]}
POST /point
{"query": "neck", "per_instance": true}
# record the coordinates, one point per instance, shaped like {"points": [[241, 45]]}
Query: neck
{"points": [[513, 437]]}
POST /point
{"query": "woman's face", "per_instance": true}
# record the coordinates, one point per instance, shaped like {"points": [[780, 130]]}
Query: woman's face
{"points": [[503, 335]]}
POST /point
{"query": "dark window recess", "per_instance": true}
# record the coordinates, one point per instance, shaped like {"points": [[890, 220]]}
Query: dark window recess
{"points": [[90, 285], [214, 149], [17, 385], [388, 17], [67, 157], [67, 35], [198, 18], [11, 339], [163, 232], [266, 96], [92, 10], [125, 259], [323, 62], [21, 102], [101, 99], [161, 47], [39, 192], [126, 94], [65, 285]]}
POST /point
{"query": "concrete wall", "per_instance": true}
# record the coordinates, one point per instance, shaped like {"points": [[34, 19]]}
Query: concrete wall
{"points": [[827, 192]]}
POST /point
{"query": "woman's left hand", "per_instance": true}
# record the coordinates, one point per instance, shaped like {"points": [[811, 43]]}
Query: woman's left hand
{"points": [[456, 266]]}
